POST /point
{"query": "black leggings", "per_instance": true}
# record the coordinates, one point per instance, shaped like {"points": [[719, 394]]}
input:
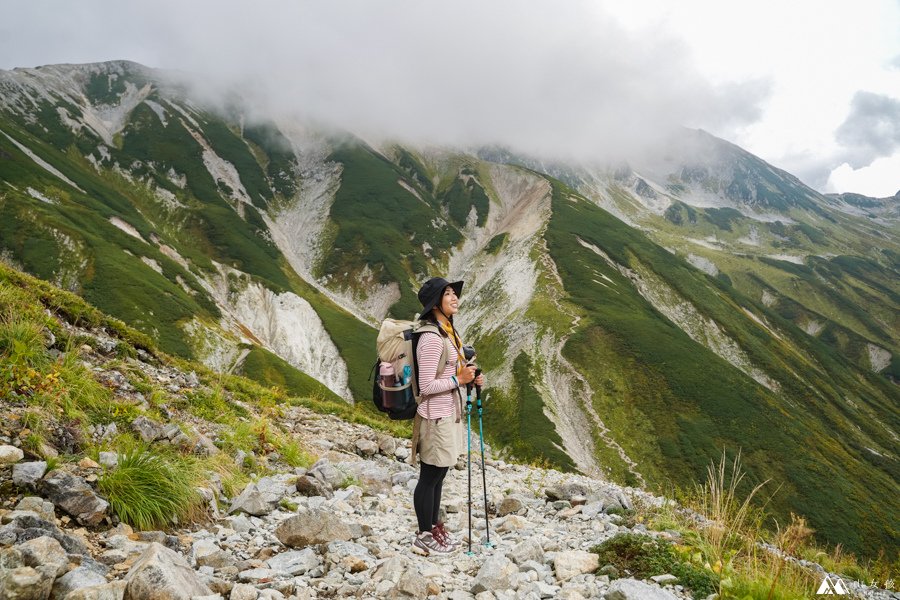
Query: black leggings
{"points": [[427, 496]]}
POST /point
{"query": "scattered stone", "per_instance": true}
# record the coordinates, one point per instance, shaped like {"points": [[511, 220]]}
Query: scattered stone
{"points": [[326, 472], [664, 579], [366, 447], [43, 550], [566, 491], [75, 496], [495, 574], [109, 459], [44, 509], [631, 589], [163, 574], [88, 463], [387, 445], [10, 454], [148, 429], [314, 527], [242, 591], [26, 583], [260, 498], [294, 562], [528, 550], [114, 590], [308, 485], [26, 475], [76, 579], [510, 505], [410, 584], [610, 571], [574, 562]]}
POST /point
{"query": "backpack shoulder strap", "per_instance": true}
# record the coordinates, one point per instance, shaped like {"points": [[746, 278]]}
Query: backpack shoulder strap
{"points": [[418, 330]]}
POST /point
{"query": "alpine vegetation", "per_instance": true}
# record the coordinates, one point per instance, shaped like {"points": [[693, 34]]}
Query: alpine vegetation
{"points": [[631, 320]]}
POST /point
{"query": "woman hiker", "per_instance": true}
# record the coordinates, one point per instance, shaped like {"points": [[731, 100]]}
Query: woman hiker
{"points": [[438, 429]]}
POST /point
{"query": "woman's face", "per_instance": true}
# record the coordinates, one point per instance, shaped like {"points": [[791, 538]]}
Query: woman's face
{"points": [[449, 302]]}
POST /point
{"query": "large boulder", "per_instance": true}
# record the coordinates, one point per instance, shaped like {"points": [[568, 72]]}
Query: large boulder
{"points": [[326, 472], [162, 574], [10, 454], [632, 589], [575, 562], [309, 485], [314, 527], [39, 551], [76, 579], [148, 429], [295, 562], [495, 574], [27, 474], [261, 498], [530, 549], [75, 496], [566, 491], [26, 583], [114, 590], [42, 508], [510, 505], [27, 526]]}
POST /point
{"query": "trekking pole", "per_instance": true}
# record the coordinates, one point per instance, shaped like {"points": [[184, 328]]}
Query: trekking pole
{"points": [[487, 525], [469, 456]]}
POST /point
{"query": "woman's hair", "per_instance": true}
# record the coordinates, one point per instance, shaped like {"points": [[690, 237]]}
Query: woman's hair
{"points": [[431, 318]]}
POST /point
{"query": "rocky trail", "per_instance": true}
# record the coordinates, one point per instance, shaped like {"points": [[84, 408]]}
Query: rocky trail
{"points": [[341, 528]]}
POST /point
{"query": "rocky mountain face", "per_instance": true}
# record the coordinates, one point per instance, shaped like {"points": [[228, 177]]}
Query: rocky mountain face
{"points": [[632, 320]]}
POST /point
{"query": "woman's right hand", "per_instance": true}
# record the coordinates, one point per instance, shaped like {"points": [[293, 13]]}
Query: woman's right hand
{"points": [[467, 375]]}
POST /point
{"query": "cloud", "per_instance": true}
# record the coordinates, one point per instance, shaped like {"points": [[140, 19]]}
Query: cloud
{"points": [[871, 130], [564, 80]]}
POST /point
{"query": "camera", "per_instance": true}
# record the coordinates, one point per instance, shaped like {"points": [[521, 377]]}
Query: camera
{"points": [[469, 353]]}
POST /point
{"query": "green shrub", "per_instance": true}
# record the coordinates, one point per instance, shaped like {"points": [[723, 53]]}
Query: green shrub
{"points": [[149, 490], [643, 556]]}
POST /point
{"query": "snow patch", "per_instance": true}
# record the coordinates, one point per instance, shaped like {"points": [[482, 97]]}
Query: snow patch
{"points": [[41, 162], [768, 298]]}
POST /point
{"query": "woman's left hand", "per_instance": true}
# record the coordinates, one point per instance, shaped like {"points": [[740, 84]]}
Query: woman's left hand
{"points": [[479, 381]]}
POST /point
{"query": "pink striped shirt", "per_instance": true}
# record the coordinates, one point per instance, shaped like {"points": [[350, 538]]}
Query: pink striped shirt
{"points": [[436, 388]]}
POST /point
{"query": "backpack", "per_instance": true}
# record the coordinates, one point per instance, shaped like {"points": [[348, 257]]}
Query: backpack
{"points": [[396, 344]]}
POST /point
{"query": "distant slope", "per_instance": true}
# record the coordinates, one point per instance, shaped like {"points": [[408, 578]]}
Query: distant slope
{"points": [[632, 320]]}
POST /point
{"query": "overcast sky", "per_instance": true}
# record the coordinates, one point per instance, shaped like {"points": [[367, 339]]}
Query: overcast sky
{"points": [[812, 86]]}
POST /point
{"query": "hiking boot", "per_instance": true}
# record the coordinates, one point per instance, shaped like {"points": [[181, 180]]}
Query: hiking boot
{"points": [[440, 532], [425, 544]]}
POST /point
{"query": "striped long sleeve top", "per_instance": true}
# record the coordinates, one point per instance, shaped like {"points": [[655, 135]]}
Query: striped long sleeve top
{"points": [[436, 384]]}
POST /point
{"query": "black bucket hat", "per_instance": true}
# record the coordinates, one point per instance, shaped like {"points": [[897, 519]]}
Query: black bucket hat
{"points": [[432, 290]]}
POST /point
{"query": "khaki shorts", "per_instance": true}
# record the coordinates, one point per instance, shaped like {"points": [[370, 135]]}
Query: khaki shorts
{"points": [[441, 441]]}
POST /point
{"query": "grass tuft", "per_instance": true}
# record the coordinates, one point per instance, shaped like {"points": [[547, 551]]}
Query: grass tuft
{"points": [[149, 490]]}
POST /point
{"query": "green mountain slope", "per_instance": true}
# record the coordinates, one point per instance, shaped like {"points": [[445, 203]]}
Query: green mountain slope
{"points": [[631, 321]]}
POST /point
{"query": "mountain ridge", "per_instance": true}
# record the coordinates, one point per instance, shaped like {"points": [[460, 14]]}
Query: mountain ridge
{"points": [[247, 229]]}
